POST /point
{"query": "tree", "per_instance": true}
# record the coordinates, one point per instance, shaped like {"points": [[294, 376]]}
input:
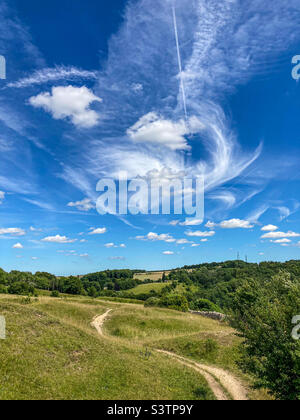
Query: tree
{"points": [[263, 313], [92, 292]]}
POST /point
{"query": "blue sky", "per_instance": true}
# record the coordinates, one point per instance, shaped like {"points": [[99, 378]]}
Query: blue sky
{"points": [[94, 88]]}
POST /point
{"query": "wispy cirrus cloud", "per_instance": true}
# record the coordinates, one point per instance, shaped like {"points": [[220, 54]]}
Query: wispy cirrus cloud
{"points": [[58, 73], [221, 49]]}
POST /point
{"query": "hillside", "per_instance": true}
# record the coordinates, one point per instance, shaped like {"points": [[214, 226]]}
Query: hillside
{"points": [[53, 352]]}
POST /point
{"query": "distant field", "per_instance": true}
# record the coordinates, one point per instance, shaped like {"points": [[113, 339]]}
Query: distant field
{"points": [[154, 276], [146, 288]]}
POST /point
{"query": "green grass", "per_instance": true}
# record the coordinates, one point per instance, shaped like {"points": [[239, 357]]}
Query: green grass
{"points": [[146, 288], [52, 352]]}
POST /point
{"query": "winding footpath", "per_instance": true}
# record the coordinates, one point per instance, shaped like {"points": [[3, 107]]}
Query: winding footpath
{"points": [[218, 379], [98, 322], [215, 376]]}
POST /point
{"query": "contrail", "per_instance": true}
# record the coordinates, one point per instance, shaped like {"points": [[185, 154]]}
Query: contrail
{"points": [[180, 64]]}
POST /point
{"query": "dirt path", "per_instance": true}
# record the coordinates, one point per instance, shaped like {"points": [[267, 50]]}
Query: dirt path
{"points": [[228, 381], [98, 322], [217, 378]]}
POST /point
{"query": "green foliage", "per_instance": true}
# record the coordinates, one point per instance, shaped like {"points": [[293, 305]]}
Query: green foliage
{"points": [[205, 305], [55, 294], [177, 302], [3, 289], [263, 312], [92, 292], [21, 288], [152, 302]]}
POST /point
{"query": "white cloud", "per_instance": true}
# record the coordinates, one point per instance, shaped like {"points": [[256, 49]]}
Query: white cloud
{"points": [[84, 205], [110, 245], [196, 245], [69, 102], [155, 237], [282, 241], [174, 222], [59, 239], [200, 234], [82, 241], [269, 228], [230, 224], [18, 246], [34, 258], [210, 225], [113, 245], [84, 255], [98, 231], [183, 242], [168, 253], [12, 231], [33, 229], [278, 235], [155, 130], [192, 222], [236, 224]]}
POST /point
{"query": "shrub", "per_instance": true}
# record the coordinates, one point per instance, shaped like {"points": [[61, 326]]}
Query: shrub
{"points": [[55, 294], [153, 301], [21, 288], [3, 289], [205, 305], [177, 302]]}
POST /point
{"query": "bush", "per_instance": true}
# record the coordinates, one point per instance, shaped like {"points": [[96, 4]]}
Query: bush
{"points": [[21, 288], [3, 289], [153, 301], [205, 305], [55, 294], [177, 302]]}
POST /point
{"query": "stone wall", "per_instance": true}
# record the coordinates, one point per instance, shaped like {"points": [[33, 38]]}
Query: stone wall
{"points": [[212, 315]]}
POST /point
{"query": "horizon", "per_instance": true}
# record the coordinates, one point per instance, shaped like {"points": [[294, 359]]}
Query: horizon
{"points": [[156, 270]]}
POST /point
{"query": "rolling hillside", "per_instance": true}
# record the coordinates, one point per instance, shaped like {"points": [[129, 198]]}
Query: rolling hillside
{"points": [[53, 352]]}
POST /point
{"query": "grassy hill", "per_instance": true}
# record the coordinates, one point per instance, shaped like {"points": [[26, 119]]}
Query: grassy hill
{"points": [[150, 275], [146, 288], [53, 352]]}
